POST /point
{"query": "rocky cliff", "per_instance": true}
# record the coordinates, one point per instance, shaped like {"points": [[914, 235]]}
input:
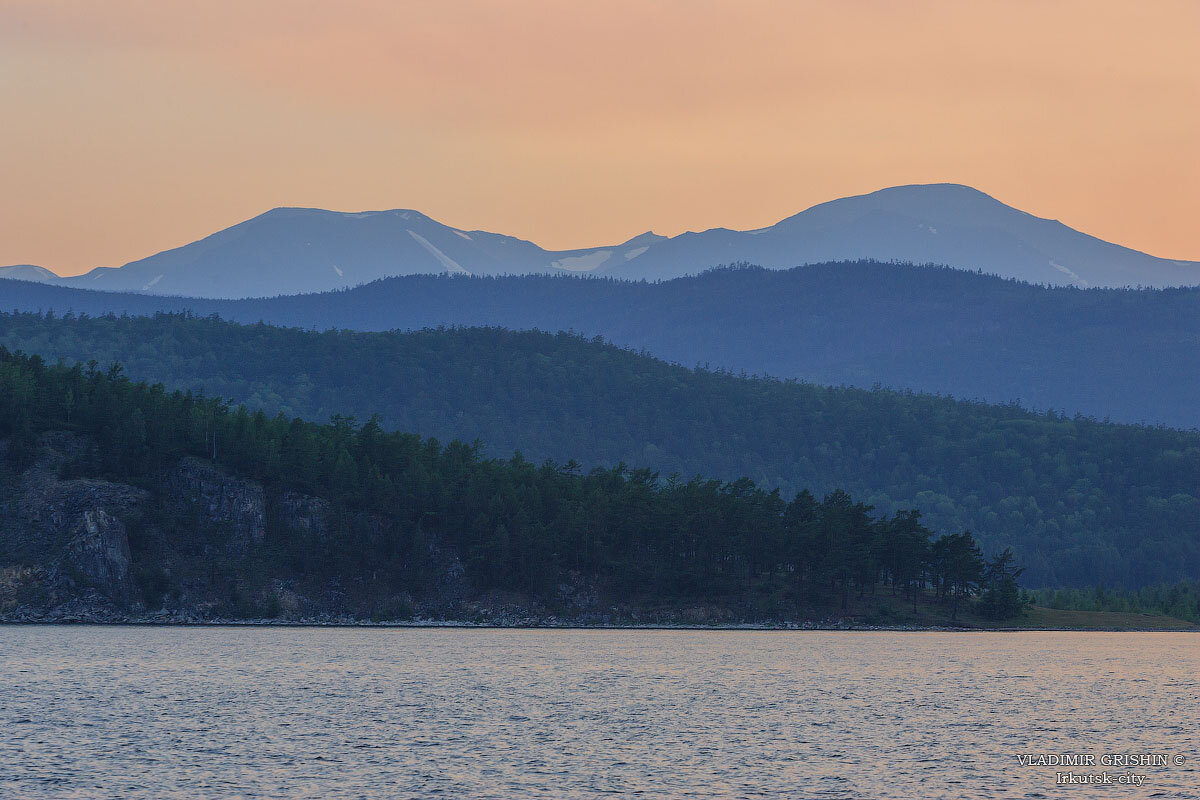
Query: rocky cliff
{"points": [[64, 538], [220, 499], [195, 543], [66, 550]]}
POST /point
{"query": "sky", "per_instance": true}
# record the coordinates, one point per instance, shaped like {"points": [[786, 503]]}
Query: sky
{"points": [[132, 126]]}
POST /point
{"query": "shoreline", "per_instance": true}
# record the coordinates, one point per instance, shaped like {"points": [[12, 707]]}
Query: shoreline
{"points": [[517, 617], [432, 624]]}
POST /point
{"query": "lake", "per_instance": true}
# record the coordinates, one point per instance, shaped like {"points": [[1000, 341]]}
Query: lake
{"points": [[147, 712]]}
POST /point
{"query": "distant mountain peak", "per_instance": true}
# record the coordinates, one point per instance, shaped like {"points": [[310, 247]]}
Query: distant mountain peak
{"points": [[27, 272], [302, 211], [648, 238], [940, 223]]}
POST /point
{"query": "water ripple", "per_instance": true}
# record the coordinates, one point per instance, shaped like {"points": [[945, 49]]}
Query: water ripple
{"points": [[353, 713]]}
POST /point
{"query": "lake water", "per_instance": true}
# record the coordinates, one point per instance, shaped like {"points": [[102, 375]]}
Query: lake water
{"points": [[140, 712]]}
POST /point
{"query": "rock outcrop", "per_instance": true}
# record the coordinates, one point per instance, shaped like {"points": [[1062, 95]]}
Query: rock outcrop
{"points": [[73, 530], [221, 499], [302, 512], [99, 549]]}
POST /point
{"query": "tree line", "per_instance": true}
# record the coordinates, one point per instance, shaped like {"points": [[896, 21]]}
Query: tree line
{"points": [[1180, 600]]}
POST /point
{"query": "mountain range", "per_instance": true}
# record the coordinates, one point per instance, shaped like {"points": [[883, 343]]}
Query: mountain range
{"points": [[299, 250], [1128, 355]]}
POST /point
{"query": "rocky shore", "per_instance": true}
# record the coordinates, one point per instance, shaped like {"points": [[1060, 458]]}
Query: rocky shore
{"points": [[95, 611], [72, 616]]}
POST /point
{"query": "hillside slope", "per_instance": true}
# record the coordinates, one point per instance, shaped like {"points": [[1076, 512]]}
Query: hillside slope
{"points": [[121, 499], [1132, 356], [1084, 502]]}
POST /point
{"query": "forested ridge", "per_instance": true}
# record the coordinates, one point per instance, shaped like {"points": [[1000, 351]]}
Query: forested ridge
{"points": [[1131, 355], [1084, 502], [516, 526]]}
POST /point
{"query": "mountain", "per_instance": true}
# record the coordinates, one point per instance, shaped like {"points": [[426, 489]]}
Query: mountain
{"points": [[1128, 355], [294, 250], [938, 224], [1083, 502], [298, 250], [28, 272]]}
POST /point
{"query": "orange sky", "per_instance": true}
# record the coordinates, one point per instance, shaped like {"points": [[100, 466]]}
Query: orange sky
{"points": [[131, 126]]}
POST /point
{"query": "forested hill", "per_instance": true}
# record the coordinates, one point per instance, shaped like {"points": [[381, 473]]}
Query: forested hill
{"points": [[1082, 501], [369, 518], [1131, 356]]}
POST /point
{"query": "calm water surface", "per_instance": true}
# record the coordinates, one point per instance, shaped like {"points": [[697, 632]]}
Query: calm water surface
{"points": [[98, 712]]}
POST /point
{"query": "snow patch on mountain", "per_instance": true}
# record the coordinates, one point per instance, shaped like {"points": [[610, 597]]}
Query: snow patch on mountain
{"points": [[583, 263], [1069, 272], [450, 264]]}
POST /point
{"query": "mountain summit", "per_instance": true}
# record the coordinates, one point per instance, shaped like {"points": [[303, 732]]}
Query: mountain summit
{"points": [[299, 250], [937, 223], [28, 272]]}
